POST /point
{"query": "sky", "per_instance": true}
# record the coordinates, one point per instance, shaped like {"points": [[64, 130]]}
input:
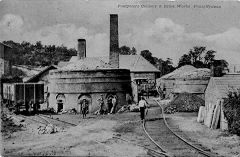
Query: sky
{"points": [[166, 28]]}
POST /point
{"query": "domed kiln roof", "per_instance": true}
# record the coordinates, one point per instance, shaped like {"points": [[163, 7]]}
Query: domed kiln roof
{"points": [[90, 63], [188, 72]]}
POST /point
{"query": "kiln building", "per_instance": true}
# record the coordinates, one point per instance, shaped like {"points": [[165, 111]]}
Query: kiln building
{"points": [[90, 78]]}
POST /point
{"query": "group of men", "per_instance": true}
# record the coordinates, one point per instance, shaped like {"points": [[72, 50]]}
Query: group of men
{"points": [[111, 105], [112, 102]]}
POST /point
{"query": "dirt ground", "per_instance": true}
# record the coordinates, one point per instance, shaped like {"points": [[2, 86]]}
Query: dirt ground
{"points": [[95, 136], [217, 141]]}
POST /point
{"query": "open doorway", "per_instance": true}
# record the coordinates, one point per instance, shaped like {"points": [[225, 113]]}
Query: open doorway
{"points": [[111, 102], [59, 107], [60, 102]]}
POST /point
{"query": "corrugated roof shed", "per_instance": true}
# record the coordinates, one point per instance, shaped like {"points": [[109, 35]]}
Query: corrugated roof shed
{"points": [[28, 71], [226, 84], [30, 79]]}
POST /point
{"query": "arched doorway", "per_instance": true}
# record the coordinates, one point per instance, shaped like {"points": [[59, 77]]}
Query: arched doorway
{"points": [[110, 104], [88, 99], [60, 102]]}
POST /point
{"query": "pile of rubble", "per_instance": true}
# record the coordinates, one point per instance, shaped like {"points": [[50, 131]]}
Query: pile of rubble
{"points": [[70, 111], [188, 72], [184, 102], [48, 129], [127, 108]]}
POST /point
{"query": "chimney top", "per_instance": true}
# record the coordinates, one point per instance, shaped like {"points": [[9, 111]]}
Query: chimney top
{"points": [[114, 15], [81, 49], [81, 39]]}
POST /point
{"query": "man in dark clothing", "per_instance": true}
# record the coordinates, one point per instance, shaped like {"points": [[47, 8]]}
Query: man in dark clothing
{"points": [[84, 108], [110, 105], [101, 104]]}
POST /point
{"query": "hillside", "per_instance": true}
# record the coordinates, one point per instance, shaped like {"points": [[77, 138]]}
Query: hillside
{"points": [[37, 54]]}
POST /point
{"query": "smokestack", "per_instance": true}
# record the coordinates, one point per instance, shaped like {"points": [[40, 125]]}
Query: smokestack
{"points": [[81, 49], [114, 46]]}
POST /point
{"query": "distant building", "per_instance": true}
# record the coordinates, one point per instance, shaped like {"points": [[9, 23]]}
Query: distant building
{"points": [[5, 55], [42, 77], [5, 64], [234, 68], [186, 79]]}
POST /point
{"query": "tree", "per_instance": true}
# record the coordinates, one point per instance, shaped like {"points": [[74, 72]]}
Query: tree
{"points": [[38, 54], [196, 53], [199, 57], [38, 45], [125, 50], [219, 67], [167, 66], [231, 110], [184, 60], [148, 56], [209, 57]]}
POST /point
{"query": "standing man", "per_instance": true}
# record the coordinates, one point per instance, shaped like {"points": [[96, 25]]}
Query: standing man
{"points": [[110, 105], [142, 104], [84, 108], [101, 104], [114, 102]]}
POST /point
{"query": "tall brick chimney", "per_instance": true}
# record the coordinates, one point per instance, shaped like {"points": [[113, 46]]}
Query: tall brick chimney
{"points": [[81, 49], [114, 45]]}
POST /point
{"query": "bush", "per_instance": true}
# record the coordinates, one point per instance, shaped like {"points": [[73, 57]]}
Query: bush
{"points": [[231, 109]]}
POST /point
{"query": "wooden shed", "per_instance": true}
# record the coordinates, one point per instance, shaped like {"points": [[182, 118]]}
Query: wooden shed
{"points": [[218, 89]]}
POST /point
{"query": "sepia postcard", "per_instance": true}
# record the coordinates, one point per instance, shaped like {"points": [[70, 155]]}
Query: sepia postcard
{"points": [[120, 78]]}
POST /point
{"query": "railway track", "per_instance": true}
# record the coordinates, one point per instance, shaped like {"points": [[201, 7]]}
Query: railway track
{"points": [[36, 118], [57, 121], [167, 138], [45, 120]]}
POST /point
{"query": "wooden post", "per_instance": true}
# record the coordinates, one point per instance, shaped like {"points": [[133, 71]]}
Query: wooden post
{"points": [[24, 94], [34, 95]]}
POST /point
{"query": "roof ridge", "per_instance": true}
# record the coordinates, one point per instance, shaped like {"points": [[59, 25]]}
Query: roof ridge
{"points": [[136, 61]]}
